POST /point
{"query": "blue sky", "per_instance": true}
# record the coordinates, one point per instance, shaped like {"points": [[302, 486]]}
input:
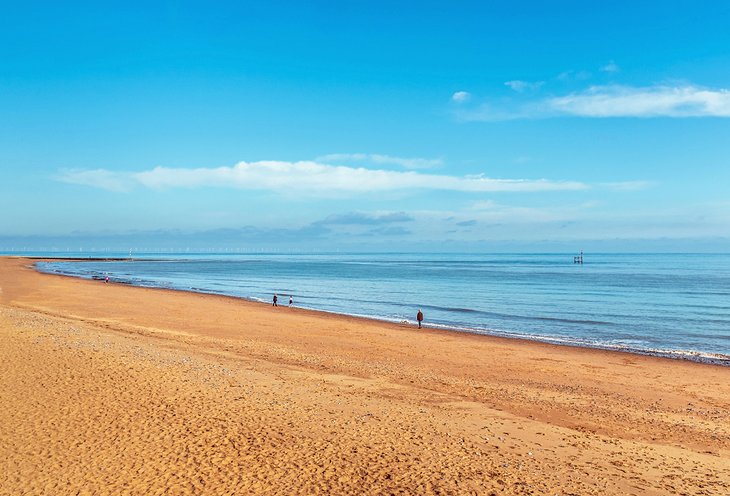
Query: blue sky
{"points": [[479, 126]]}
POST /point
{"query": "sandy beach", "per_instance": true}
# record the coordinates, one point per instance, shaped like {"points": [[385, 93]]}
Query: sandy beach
{"points": [[113, 389]]}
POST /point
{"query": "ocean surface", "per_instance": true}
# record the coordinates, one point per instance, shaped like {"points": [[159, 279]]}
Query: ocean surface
{"points": [[675, 305]]}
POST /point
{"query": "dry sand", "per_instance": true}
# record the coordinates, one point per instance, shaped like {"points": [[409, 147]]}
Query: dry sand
{"points": [[111, 389]]}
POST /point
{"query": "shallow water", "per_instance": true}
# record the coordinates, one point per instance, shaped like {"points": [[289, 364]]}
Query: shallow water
{"points": [[669, 304]]}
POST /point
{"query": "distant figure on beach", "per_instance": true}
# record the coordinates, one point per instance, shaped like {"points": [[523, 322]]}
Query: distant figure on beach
{"points": [[106, 279], [291, 300], [419, 317], [275, 300]]}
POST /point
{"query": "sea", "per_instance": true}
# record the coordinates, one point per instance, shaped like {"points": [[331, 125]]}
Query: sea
{"points": [[675, 305]]}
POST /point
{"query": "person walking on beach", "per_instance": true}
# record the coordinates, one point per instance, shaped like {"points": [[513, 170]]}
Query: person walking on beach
{"points": [[419, 317], [291, 300], [275, 300]]}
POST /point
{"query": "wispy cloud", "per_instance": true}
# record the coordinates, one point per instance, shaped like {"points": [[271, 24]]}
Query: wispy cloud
{"points": [[628, 185], [611, 67], [573, 76], [461, 96], [378, 159], [97, 178], [366, 218], [612, 101], [388, 231], [653, 101], [522, 86], [489, 211], [308, 178]]}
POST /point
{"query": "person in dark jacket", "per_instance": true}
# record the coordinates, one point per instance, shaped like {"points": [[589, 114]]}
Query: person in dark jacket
{"points": [[419, 317], [275, 300]]}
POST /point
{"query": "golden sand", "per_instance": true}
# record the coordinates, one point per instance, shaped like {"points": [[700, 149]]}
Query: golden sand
{"points": [[111, 389]]}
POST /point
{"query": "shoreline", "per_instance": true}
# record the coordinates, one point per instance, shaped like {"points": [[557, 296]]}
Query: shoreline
{"points": [[694, 356], [114, 388]]}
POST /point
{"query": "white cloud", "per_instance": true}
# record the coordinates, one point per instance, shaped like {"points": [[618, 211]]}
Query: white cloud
{"points": [[521, 86], [461, 96], [310, 178], [377, 159], [628, 185], [98, 178], [610, 67], [653, 101], [339, 157], [614, 101]]}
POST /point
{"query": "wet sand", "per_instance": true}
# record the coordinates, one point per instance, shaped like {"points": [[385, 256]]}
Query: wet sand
{"points": [[112, 389]]}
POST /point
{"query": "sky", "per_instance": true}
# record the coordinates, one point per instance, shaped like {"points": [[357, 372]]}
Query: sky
{"points": [[365, 126]]}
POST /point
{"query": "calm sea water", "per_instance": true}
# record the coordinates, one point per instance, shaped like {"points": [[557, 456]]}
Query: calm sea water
{"points": [[666, 304]]}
